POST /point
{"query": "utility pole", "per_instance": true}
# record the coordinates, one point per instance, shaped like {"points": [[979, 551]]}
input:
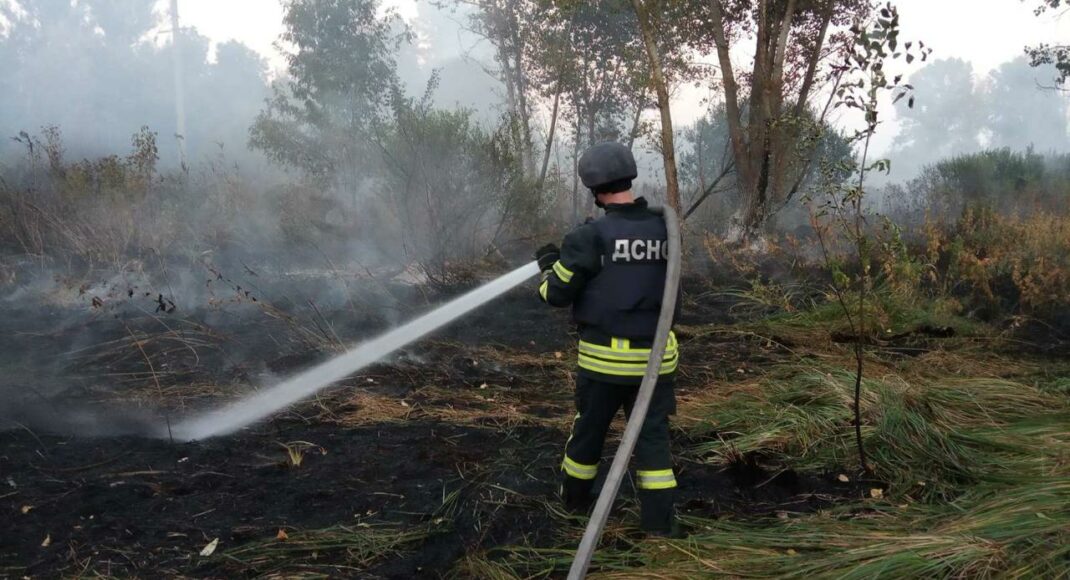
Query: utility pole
{"points": [[180, 95]]}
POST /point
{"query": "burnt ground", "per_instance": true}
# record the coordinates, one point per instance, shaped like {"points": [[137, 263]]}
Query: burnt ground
{"points": [[447, 449]]}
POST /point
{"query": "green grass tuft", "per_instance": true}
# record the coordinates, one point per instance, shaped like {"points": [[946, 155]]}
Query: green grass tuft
{"points": [[928, 439]]}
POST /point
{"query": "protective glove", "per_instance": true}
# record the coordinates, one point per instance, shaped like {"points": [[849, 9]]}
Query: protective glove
{"points": [[546, 256]]}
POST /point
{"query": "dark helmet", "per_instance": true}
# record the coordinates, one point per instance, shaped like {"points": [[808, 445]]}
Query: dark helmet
{"points": [[608, 168]]}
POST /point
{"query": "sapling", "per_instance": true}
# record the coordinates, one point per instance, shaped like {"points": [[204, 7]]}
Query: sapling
{"points": [[841, 207]]}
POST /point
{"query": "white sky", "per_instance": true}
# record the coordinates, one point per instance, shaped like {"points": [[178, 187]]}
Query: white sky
{"points": [[255, 23], [984, 32]]}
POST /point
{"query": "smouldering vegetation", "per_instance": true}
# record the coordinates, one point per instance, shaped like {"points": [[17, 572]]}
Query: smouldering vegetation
{"points": [[175, 236]]}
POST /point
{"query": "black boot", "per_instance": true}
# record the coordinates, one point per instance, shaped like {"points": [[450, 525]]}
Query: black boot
{"points": [[657, 517], [576, 494]]}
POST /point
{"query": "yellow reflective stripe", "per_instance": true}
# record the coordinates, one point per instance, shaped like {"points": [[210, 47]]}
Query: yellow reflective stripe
{"points": [[595, 350], [624, 369], [658, 479], [562, 272], [623, 346], [620, 349], [619, 359], [543, 289], [579, 470]]}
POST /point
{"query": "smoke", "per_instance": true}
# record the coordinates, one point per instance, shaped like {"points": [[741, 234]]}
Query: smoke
{"points": [[268, 401], [82, 422], [958, 111], [99, 71]]}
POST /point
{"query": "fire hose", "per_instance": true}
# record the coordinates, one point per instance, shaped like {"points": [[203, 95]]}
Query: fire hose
{"points": [[602, 507]]}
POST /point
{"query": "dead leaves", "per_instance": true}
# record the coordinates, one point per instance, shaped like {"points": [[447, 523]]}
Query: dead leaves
{"points": [[210, 548]]}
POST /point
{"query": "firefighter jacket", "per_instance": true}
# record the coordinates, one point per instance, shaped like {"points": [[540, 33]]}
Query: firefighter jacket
{"points": [[612, 272]]}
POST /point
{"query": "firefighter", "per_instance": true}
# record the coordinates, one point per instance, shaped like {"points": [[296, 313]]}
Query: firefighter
{"points": [[611, 271]]}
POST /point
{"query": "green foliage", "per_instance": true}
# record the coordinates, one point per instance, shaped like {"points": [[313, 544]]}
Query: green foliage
{"points": [[927, 437], [1050, 54], [1001, 179], [890, 313], [449, 188], [991, 532], [340, 78]]}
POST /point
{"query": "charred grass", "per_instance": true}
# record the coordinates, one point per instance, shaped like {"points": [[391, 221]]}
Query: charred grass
{"points": [[441, 462]]}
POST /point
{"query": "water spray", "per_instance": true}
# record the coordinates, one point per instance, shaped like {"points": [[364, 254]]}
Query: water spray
{"points": [[265, 403]]}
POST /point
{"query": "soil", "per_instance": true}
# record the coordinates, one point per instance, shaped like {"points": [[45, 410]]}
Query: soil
{"points": [[463, 445]]}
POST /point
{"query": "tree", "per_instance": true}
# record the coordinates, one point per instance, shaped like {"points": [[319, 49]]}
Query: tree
{"points": [[446, 187], [508, 25], [957, 115], [596, 58], [949, 118], [90, 68], [1020, 113], [341, 76], [793, 39], [661, 89], [591, 64], [707, 168], [843, 206], [1050, 54]]}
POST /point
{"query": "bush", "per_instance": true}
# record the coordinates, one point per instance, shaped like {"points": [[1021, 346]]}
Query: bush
{"points": [[1008, 181], [449, 191], [998, 266]]}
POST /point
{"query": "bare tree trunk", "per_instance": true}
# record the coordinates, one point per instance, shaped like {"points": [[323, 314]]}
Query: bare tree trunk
{"points": [[740, 148], [781, 138], [180, 91], [815, 57], [527, 151], [762, 149], [510, 97], [590, 126], [550, 136], [635, 120], [576, 170], [668, 154]]}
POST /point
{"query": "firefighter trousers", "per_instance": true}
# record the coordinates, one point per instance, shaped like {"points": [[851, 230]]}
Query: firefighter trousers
{"points": [[597, 403]]}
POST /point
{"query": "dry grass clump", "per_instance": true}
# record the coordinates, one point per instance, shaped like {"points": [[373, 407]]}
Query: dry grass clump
{"points": [[335, 551], [458, 406], [926, 437], [1008, 265], [991, 532]]}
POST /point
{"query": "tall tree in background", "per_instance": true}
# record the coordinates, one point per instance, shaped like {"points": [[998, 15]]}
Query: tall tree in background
{"points": [[647, 27], [767, 107], [340, 78], [92, 69], [958, 114], [589, 61], [609, 64], [507, 25], [948, 119], [1020, 113]]}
